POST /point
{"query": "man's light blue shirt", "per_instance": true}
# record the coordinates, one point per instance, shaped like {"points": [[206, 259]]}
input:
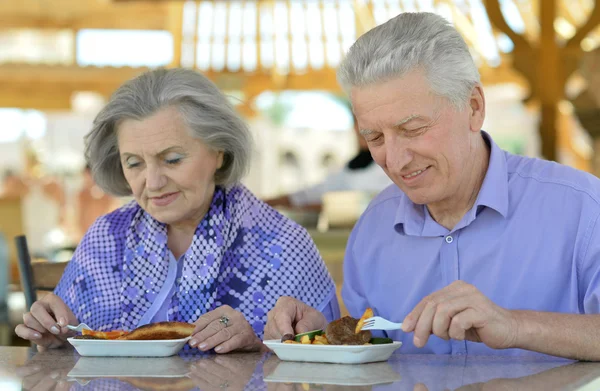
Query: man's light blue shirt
{"points": [[531, 241]]}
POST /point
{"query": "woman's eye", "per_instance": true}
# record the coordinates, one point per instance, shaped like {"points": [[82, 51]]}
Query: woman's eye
{"points": [[132, 164], [173, 161]]}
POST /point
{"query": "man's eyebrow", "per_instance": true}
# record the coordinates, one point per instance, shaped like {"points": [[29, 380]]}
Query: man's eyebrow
{"points": [[366, 132], [408, 119]]}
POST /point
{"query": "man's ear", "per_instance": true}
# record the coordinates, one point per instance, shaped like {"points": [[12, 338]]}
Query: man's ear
{"points": [[476, 108]]}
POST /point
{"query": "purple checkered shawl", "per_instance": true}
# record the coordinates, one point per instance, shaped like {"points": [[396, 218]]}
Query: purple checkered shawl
{"points": [[244, 254]]}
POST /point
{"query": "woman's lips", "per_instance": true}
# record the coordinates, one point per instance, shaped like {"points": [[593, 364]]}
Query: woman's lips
{"points": [[165, 199]]}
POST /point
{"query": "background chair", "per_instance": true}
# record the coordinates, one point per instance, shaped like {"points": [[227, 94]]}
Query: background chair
{"points": [[38, 275]]}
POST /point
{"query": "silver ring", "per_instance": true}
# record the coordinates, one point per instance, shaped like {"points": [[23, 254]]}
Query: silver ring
{"points": [[224, 320], [226, 384]]}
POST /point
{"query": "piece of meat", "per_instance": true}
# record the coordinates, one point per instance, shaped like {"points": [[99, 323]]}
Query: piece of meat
{"points": [[161, 330], [341, 332], [114, 334]]}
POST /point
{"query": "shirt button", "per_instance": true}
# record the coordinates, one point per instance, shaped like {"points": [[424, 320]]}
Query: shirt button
{"points": [[449, 239]]}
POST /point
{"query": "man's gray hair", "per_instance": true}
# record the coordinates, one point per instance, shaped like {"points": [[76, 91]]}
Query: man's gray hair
{"points": [[408, 42], [208, 113]]}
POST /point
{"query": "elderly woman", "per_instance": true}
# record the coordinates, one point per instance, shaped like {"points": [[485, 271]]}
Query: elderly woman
{"points": [[195, 245]]}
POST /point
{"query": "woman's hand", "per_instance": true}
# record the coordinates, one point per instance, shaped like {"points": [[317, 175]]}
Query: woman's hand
{"points": [[225, 330], [45, 325], [290, 316]]}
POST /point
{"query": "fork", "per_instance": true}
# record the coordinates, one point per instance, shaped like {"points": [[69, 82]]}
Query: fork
{"points": [[79, 328], [378, 323]]}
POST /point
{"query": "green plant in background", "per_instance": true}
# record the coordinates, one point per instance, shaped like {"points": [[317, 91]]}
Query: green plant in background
{"points": [[278, 111]]}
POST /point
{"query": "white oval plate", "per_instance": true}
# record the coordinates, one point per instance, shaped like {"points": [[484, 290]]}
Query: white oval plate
{"points": [[126, 348], [338, 374], [130, 367], [335, 354]]}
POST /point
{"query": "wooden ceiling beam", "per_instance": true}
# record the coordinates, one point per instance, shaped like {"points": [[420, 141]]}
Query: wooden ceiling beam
{"points": [[29, 97], [106, 20], [51, 87], [83, 14]]}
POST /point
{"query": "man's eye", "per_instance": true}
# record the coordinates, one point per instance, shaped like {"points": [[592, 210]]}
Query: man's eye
{"points": [[417, 130]]}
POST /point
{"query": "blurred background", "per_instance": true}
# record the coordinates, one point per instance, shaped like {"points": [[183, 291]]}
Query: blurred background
{"points": [[61, 59]]}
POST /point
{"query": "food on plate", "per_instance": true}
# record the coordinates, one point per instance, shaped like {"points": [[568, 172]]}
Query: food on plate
{"points": [[161, 330], [91, 334], [152, 331], [310, 335], [361, 322], [344, 331]]}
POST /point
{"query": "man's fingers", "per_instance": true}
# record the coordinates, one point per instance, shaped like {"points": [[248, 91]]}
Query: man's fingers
{"points": [[461, 323], [445, 311], [424, 324], [410, 321]]}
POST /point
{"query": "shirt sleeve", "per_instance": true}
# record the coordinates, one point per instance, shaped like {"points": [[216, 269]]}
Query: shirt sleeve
{"points": [[332, 310], [352, 290], [589, 272]]}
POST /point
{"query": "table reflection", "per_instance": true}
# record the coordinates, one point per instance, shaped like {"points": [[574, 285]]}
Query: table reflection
{"points": [[63, 369]]}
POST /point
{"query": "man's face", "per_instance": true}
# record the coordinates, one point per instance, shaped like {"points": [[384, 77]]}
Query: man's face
{"points": [[420, 140]]}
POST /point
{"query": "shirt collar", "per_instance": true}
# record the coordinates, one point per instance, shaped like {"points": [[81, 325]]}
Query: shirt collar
{"points": [[414, 219]]}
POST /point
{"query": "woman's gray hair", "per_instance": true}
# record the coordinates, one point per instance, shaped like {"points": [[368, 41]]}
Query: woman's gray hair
{"points": [[412, 41], [208, 113]]}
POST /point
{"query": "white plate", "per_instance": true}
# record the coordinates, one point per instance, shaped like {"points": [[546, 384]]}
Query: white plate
{"points": [[339, 374], [336, 354], [125, 348], [130, 367]]}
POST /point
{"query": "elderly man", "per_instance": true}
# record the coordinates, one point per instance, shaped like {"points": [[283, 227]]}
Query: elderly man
{"points": [[474, 250]]}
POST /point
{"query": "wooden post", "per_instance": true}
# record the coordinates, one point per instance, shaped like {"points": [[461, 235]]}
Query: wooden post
{"points": [[551, 82], [175, 25], [545, 64]]}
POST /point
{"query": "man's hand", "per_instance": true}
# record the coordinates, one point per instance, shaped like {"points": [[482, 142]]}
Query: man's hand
{"points": [[290, 317], [460, 311]]}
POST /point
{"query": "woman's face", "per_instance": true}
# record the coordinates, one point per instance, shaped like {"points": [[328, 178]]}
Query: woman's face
{"points": [[171, 173]]}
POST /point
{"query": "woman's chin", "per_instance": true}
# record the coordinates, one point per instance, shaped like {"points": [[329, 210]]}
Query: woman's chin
{"points": [[167, 217]]}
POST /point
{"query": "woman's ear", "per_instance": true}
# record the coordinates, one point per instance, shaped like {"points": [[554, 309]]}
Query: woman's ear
{"points": [[220, 159]]}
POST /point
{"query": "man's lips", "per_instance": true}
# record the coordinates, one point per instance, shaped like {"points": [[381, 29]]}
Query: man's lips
{"points": [[415, 173]]}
